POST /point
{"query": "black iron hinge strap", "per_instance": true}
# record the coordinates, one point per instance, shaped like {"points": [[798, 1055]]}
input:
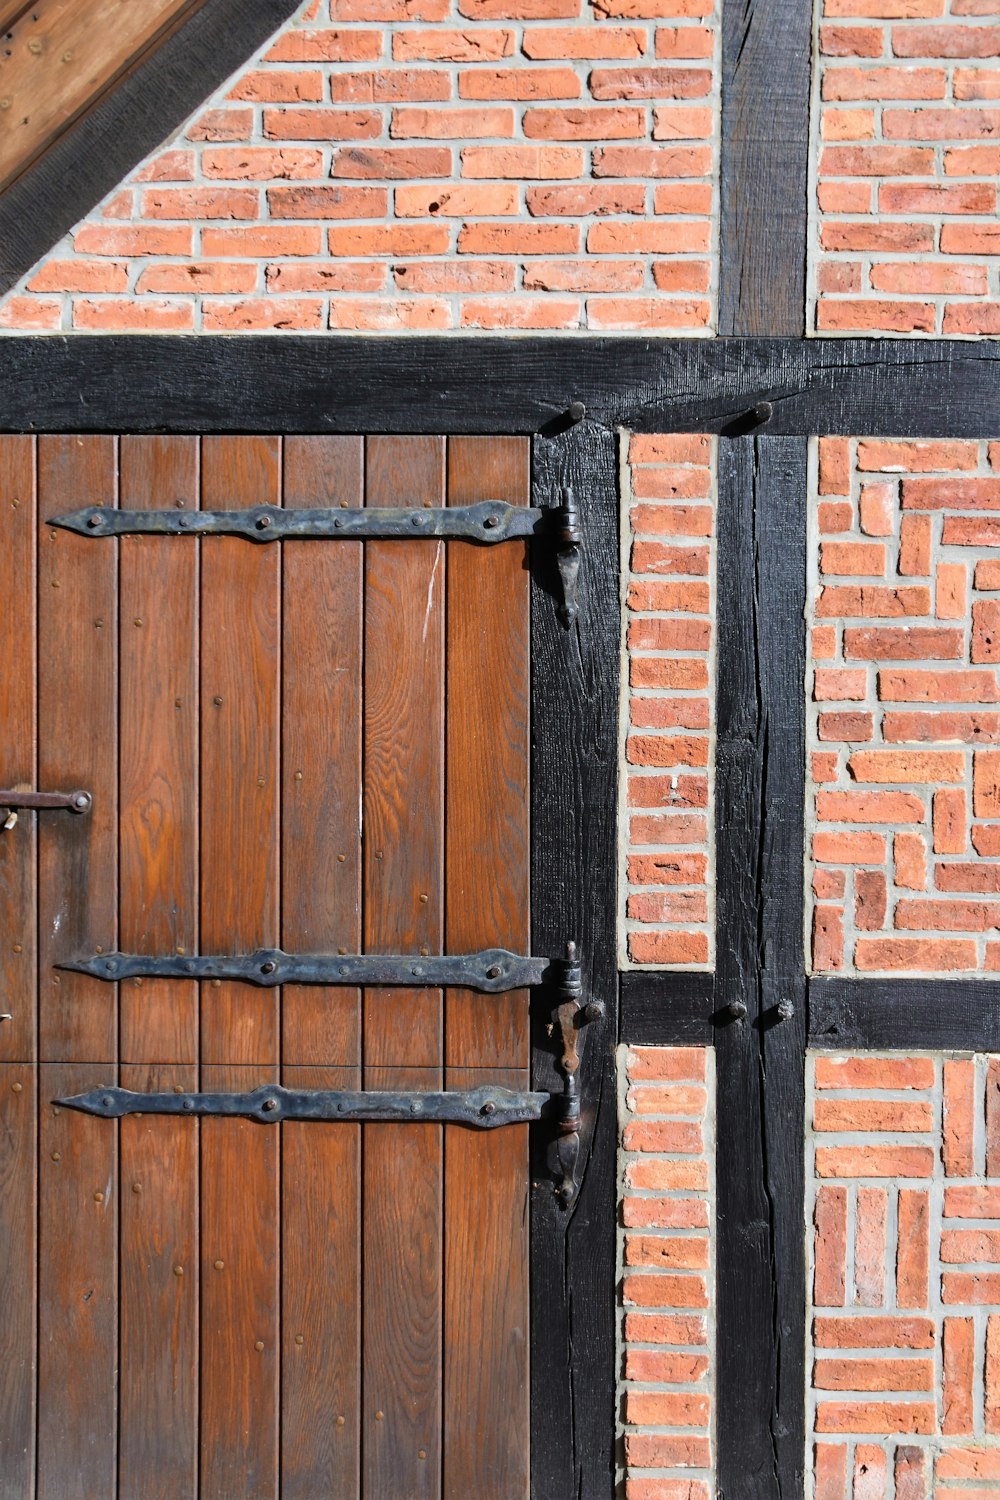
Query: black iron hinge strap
{"points": [[485, 1108], [492, 971], [488, 521]]}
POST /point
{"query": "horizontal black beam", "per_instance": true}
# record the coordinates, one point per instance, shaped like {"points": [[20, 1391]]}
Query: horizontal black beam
{"points": [[496, 384], [666, 1009], [900, 1014]]}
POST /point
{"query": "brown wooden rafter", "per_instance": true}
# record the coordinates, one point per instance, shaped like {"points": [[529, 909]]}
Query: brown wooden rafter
{"points": [[88, 88]]}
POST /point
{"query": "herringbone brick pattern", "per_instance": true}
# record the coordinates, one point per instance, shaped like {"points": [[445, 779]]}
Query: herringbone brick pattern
{"points": [[904, 1275], [905, 710], [668, 1277]]}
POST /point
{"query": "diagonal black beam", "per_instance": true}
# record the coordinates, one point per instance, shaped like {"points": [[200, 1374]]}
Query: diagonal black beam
{"points": [[759, 966], [141, 111]]}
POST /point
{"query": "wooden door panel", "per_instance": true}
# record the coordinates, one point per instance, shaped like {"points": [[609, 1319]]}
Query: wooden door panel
{"points": [[318, 746]]}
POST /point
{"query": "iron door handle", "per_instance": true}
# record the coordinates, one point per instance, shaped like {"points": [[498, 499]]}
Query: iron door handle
{"points": [[75, 802]]}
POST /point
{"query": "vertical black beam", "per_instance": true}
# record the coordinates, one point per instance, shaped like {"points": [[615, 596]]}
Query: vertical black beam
{"points": [[574, 810], [766, 54], [760, 963]]}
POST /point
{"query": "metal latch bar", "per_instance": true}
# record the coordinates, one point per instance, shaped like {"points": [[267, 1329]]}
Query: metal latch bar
{"points": [[74, 802], [492, 971], [485, 1108], [488, 521]]}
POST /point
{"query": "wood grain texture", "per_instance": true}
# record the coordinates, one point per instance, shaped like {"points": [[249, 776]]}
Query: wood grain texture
{"points": [[486, 1435], [158, 1400], [239, 1247], [759, 1061], [667, 1009], [158, 796], [403, 1041], [18, 1283], [61, 55], [77, 729], [871, 1014], [402, 1299], [119, 130], [574, 841], [320, 1299], [322, 604], [404, 752], [766, 57], [486, 1334], [77, 1291], [18, 845], [488, 732], [889, 387], [240, 729]]}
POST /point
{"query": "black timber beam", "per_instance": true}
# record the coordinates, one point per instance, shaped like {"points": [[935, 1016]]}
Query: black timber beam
{"points": [[962, 1015], [760, 1380], [763, 233], [139, 383], [574, 808], [667, 1008]]}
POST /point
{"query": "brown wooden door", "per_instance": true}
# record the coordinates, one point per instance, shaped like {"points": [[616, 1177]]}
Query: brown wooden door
{"points": [[317, 745]]}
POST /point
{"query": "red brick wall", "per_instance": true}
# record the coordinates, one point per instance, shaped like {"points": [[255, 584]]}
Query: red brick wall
{"points": [[417, 165], [905, 712], [668, 571], [904, 1241], [667, 1330], [906, 161]]}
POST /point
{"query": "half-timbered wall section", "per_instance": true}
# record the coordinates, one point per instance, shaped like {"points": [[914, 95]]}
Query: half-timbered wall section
{"points": [[482, 164]]}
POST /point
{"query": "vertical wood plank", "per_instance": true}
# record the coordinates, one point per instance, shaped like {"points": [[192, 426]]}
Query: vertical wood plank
{"points": [[18, 1286], [240, 695], [159, 750], [77, 747], [320, 1299], [403, 905], [322, 608], [77, 1290], [240, 707], [488, 904], [158, 1413], [18, 845], [239, 1298], [321, 912]]}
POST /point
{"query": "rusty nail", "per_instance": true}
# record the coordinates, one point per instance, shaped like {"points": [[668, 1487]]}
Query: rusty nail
{"points": [[178, 1270], [489, 1108], [94, 520], [493, 972], [137, 622], [269, 967], [421, 1452], [137, 983], [298, 776], [219, 1265], [263, 522], [424, 899], [259, 1345], [340, 1421], [341, 858], [341, 950], [380, 1416], [17, 1087], [98, 1197], [216, 984], [299, 1339], [217, 702], [180, 950], [178, 1088], [18, 948], [137, 1187], [56, 1156]]}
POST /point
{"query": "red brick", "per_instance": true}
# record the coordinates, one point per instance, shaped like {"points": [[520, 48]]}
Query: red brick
{"points": [[853, 559], [652, 161], [993, 1117], [675, 1253], [222, 125], [915, 546], [388, 239], [830, 1219], [921, 955], [987, 576], [986, 783], [910, 1473], [260, 313], [391, 162], [950, 822], [874, 1161], [884, 83], [893, 317], [850, 41], [834, 516], [845, 728], [875, 1417], [912, 1248], [327, 276], [873, 599], [263, 240], [655, 1450], [134, 239], [861, 848], [197, 278], [657, 1328], [663, 1135], [661, 1290], [666, 1409], [929, 280], [869, 1251], [558, 42], [958, 1356], [326, 46], [828, 938], [521, 161], [80, 276], [665, 1213], [830, 1471], [907, 765], [666, 1367], [328, 202], [969, 531], [520, 239], [451, 124], [519, 83], [443, 277], [903, 643], [890, 1332], [584, 124], [971, 727], [946, 41], [874, 1374], [119, 314], [583, 199], [261, 163], [867, 1115], [919, 686], [970, 1288], [280, 86], [870, 807], [374, 314], [322, 124], [991, 1375], [876, 161], [840, 685], [876, 509], [910, 860]]}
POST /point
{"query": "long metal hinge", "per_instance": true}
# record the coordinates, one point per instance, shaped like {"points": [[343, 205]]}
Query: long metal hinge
{"points": [[488, 522], [484, 1108], [492, 971]]}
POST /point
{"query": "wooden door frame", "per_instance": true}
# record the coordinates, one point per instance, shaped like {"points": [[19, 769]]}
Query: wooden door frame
{"points": [[527, 387]]}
